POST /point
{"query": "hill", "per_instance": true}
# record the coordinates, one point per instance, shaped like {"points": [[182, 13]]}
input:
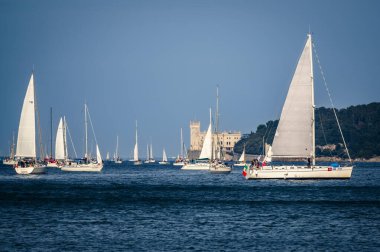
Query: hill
{"points": [[360, 125]]}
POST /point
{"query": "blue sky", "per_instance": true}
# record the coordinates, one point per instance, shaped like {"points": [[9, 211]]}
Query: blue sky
{"points": [[159, 62]]}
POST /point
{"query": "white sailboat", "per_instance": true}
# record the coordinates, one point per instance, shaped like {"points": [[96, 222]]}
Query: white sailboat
{"points": [[108, 156], [86, 164], [26, 139], [61, 155], [295, 135], [117, 159], [136, 160], [11, 159], [204, 161], [164, 158], [242, 160], [217, 166], [51, 162], [181, 159]]}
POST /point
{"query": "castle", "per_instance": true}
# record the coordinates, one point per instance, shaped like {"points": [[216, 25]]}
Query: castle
{"points": [[227, 140]]}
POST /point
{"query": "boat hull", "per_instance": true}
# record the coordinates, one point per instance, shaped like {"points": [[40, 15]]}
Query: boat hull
{"points": [[163, 163], [83, 168], [179, 164], [300, 172], [9, 162], [137, 163], [31, 170], [52, 165], [196, 167], [240, 164], [220, 169]]}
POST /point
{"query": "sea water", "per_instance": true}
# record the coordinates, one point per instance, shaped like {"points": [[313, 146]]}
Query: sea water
{"points": [[162, 208]]}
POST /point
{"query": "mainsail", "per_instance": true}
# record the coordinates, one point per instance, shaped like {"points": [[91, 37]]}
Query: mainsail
{"points": [[60, 141], [242, 157], [136, 149], [98, 156], [164, 157], [26, 139], [295, 131], [207, 143]]}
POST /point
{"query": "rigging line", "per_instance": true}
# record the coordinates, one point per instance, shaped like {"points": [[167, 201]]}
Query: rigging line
{"points": [[332, 104], [92, 127], [71, 140], [323, 131]]}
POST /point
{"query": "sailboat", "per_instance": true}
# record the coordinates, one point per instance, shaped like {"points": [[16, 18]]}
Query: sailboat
{"points": [[136, 160], [61, 155], [295, 135], [217, 166], [181, 158], [86, 164], [164, 158], [149, 154], [26, 139], [242, 160], [108, 156], [50, 161], [205, 158], [11, 159], [117, 159]]}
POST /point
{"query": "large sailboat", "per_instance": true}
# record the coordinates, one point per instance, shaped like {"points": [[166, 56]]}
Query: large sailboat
{"points": [[295, 135], [136, 160], [164, 158], [50, 161], [116, 157], [87, 164], [26, 140]]}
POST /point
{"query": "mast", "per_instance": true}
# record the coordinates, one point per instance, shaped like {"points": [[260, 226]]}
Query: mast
{"points": [[217, 147], [181, 144], [65, 139], [85, 129], [51, 132], [212, 140], [312, 99], [117, 146]]}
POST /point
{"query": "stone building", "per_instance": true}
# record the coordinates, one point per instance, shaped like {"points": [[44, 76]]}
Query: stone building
{"points": [[227, 139]]}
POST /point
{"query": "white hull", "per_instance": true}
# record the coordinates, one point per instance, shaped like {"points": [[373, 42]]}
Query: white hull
{"points": [[196, 167], [31, 170], [300, 172], [52, 165], [9, 162], [220, 169], [137, 162], [118, 162], [179, 163], [83, 168], [163, 163], [241, 164]]}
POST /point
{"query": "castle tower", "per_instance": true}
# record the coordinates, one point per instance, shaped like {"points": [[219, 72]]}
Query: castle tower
{"points": [[195, 132]]}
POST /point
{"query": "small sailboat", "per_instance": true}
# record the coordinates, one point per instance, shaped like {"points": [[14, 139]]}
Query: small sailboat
{"points": [[164, 158], [26, 139], [242, 161], [217, 166], [11, 159], [87, 164], [295, 134], [108, 156], [205, 158], [136, 160], [61, 155], [50, 161], [181, 158], [117, 159]]}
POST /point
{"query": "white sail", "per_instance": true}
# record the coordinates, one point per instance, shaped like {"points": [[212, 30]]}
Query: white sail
{"points": [[164, 157], [26, 139], [294, 135], [136, 149], [108, 156], [242, 157], [151, 151], [207, 143], [60, 142], [98, 156]]}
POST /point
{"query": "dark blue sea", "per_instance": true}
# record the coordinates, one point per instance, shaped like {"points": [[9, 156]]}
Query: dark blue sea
{"points": [[156, 208]]}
